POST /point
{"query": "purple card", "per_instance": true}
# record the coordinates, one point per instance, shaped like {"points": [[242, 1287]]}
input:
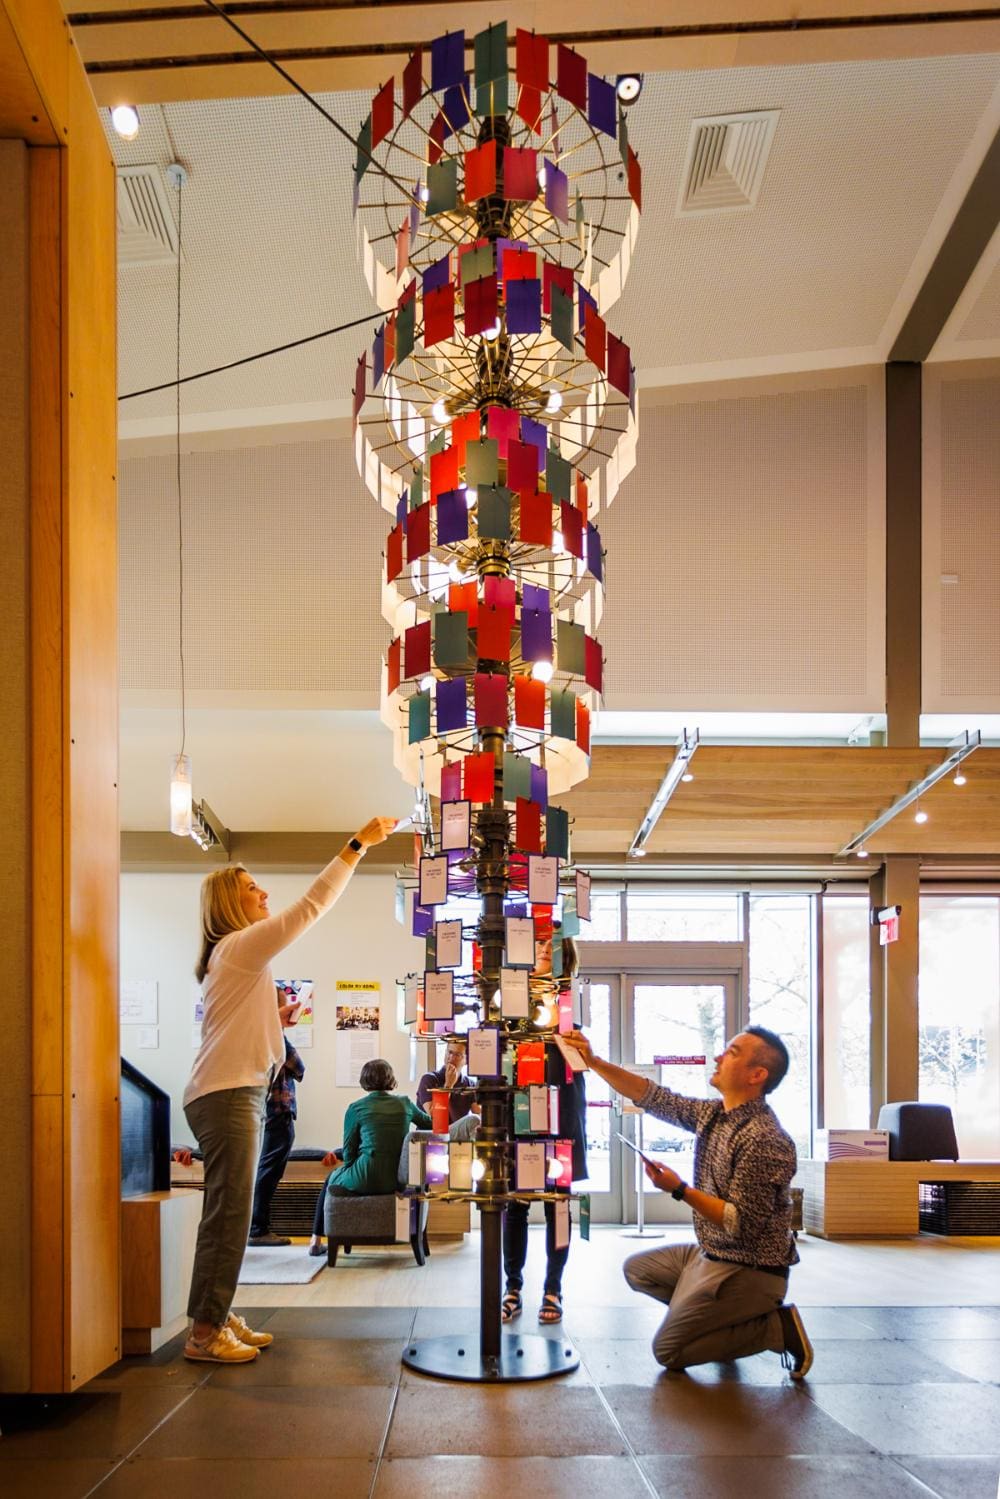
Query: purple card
{"points": [[535, 432], [423, 919], [402, 506], [540, 786], [451, 705], [452, 517], [536, 598], [601, 111], [438, 274], [524, 306], [556, 192], [378, 356], [594, 551], [536, 635], [584, 301], [447, 60]]}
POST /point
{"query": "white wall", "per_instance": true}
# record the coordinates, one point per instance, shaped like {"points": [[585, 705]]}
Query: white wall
{"points": [[358, 939]]}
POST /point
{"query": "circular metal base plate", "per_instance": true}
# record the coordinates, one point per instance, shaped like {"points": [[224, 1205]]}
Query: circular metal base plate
{"points": [[522, 1356], [643, 1233]]}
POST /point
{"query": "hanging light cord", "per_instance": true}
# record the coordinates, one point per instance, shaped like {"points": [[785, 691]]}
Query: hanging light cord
{"points": [[180, 493]]}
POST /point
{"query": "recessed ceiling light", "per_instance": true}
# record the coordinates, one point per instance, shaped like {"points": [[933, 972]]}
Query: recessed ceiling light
{"points": [[125, 119], [628, 87]]}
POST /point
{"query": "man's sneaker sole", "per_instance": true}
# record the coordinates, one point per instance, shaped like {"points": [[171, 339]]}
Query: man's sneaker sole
{"points": [[198, 1355], [799, 1371]]}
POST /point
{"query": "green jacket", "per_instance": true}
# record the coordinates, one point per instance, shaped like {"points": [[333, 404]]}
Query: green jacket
{"points": [[374, 1130]]}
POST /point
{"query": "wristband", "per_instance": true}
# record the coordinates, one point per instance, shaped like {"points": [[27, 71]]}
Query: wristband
{"points": [[678, 1193], [356, 844]]}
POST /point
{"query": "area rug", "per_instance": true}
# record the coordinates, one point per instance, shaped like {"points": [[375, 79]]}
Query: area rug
{"points": [[280, 1267]]}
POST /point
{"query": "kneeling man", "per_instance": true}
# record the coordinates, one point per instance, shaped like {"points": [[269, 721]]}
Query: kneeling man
{"points": [[726, 1293]]}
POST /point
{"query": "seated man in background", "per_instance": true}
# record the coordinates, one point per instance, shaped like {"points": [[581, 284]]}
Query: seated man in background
{"points": [[450, 1076], [726, 1293]]}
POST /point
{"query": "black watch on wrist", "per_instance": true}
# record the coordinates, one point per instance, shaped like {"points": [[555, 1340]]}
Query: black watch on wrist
{"points": [[356, 844], [678, 1193]]}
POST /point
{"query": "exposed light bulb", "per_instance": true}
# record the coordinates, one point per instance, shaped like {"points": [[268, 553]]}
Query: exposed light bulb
{"points": [[554, 1168], [478, 1170], [543, 1016], [862, 853], [125, 119], [471, 496], [541, 178], [959, 779], [920, 815], [180, 796], [493, 331], [542, 671], [628, 87], [439, 412], [424, 192], [454, 571], [554, 402], [638, 853], [426, 683], [557, 541], [688, 775]]}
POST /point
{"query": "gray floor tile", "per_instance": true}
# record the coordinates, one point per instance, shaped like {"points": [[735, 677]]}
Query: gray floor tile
{"points": [[271, 1421], [925, 1420], [240, 1478], [442, 1321], [52, 1480], [858, 1477], [342, 1322], [979, 1358], [315, 1362], [84, 1425], [640, 1320], [167, 1366], [539, 1477], [680, 1415], [545, 1420], [838, 1322], [930, 1321], [844, 1361], [957, 1477]]}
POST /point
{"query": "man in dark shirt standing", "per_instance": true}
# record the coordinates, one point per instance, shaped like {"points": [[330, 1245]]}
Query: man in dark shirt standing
{"points": [[452, 1077], [726, 1293]]}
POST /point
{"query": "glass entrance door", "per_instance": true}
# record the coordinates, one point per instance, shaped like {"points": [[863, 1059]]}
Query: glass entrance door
{"points": [[671, 1020], [602, 997]]}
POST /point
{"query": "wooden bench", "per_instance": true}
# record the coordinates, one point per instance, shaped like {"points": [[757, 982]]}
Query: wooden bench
{"points": [[159, 1230], [875, 1199]]}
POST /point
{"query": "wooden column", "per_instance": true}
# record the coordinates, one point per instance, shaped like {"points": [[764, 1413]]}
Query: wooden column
{"points": [[895, 971], [60, 1271], [903, 499]]}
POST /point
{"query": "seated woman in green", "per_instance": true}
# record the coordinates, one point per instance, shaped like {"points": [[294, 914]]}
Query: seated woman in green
{"points": [[374, 1130]]}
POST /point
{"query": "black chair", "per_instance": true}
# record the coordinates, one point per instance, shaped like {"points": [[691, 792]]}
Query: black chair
{"points": [[919, 1131]]}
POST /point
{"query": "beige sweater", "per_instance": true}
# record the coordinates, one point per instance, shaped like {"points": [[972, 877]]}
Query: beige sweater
{"points": [[241, 1037]]}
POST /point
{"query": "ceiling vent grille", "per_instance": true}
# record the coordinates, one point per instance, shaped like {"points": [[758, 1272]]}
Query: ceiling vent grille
{"points": [[147, 231], [726, 158]]}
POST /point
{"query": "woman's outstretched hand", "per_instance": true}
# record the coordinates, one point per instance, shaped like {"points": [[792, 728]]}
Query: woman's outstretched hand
{"points": [[376, 831]]}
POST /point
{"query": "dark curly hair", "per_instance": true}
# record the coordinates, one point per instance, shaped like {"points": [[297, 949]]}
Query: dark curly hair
{"points": [[377, 1076]]}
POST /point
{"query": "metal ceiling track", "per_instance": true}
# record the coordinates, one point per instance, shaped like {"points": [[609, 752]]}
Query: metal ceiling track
{"points": [[959, 750]]}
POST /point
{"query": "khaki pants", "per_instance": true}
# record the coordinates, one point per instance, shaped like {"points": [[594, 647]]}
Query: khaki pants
{"points": [[227, 1126], [717, 1311]]}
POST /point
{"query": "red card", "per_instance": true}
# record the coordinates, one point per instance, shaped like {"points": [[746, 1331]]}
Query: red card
{"points": [[493, 633], [571, 76], [393, 666], [435, 146], [530, 1063], [394, 553], [480, 305], [464, 596], [593, 671], [418, 533], [572, 528], [529, 107], [444, 471], [582, 498], [403, 248], [390, 342], [439, 314], [520, 174], [500, 592], [480, 772], [542, 918], [522, 466], [451, 782], [519, 265], [503, 424], [595, 337], [536, 518], [417, 649], [529, 703], [413, 83], [528, 826], [464, 429], [634, 179], [481, 171], [383, 112], [491, 700], [555, 275], [583, 726], [532, 59], [619, 364]]}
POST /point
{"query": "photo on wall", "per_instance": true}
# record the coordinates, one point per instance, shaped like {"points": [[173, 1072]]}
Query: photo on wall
{"points": [[300, 992]]}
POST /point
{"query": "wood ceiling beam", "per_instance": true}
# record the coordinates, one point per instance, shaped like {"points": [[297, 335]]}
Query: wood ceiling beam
{"points": [[151, 51]]}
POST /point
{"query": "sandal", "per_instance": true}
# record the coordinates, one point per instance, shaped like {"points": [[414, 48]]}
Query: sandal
{"points": [[551, 1308], [511, 1306]]}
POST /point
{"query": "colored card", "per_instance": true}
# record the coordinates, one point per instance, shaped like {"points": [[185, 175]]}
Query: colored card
{"points": [[553, 275], [530, 1063], [556, 192], [572, 529], [520, 174], [383, 112], [602, 110], [522, 464], [490, 50], [593, 669], [413, 83], [493, 97], [493, 633], [563, 707], [417, 650], [478, 777], [481, 171], [444, 471], [451, 781], [481, 307], [433, 881], [448, 944], [483, 1057], [439, 995], [634, 172], [419, 718], [619, 364], [571, 642], [524, 307], [594, 559], [536, 518], [515, 995], [451, 705], [543, 879], [464, 597], [571, 76], [393, 662], [529, 1167], [442, 187], [562, 316], [538, 1109], [451, 639], [452, 517], [595, 339], [447, 60], [540, 786], [482, 462], [557, 475], [503, 425], [423, 922], [536, 635], [490, 690], [583, 726], [516, 776], [527, 826], [363, 159], [439, 314], [436, 139], [418, 533], [519, 942], [464, 429], [493, 514], [557, 832], [529, 703], [437, 274], [456, 825], [406, 321], [378, 356], [394, 553], [475, 261], [586, 304], [583, 895], [529, 107], [517, 264], [360, 378], [500, 593], [531, 55]]}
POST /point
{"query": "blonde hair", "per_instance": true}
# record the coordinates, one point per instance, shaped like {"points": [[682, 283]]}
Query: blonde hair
{"points": [[221, 911]]}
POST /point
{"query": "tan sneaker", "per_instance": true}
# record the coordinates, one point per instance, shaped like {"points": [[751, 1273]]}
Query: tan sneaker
{"points": [[239, 1329], [220, 1347]]}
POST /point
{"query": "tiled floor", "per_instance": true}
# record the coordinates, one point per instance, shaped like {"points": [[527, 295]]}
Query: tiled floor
{"points": [[902, 1402]]}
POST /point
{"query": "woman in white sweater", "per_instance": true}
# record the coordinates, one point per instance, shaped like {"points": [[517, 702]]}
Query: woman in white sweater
{"points": [[242, 1047]]}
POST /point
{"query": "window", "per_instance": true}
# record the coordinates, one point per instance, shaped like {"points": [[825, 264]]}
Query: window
{"points": [[846, 1013], [663, 916], [605, 924], [959, 1013], [781, 987]]}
